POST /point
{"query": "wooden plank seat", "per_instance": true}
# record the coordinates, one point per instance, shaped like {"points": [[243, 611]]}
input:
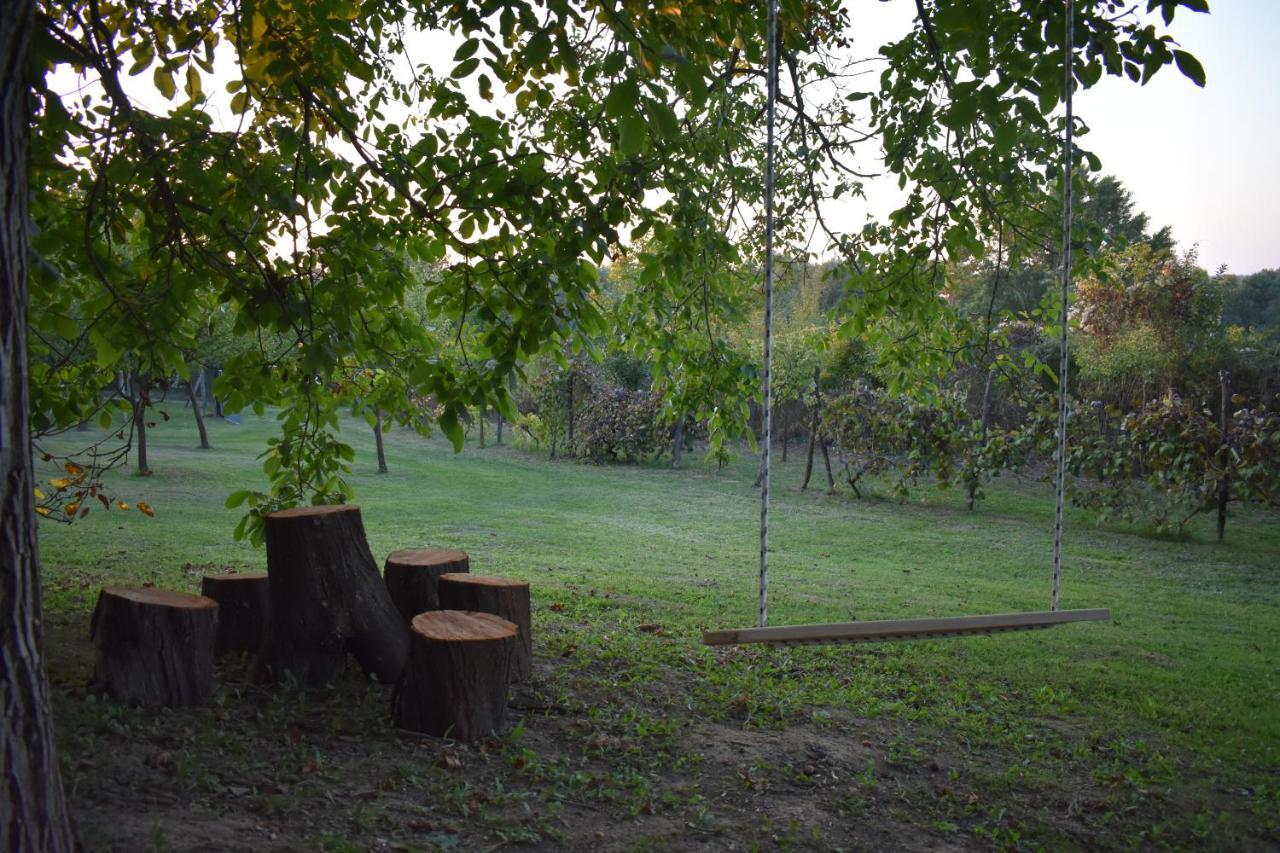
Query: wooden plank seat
{"points": [[904, 629]]}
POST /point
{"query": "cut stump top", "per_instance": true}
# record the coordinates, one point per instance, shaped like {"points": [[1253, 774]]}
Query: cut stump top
{"points": [[424, 557], [312, 511], [462, 625], [160, 597], [481, 580]]}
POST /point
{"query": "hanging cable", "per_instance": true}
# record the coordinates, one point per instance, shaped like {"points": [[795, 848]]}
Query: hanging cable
{"points": [[771, 37], [1060, 481]]}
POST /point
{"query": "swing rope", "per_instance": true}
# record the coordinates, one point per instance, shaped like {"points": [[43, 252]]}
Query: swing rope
{"points": [[771, 98], [1060, 478], [910, 628]]}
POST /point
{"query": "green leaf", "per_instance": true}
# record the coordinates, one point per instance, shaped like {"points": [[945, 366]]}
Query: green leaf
{"points": [[1190, 67], [631, 135], [238, 497], [467, 50], [465, 68]]}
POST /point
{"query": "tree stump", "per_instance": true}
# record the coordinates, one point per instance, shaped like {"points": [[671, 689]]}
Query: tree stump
{"points": [[413, 577], [455, 683], [243, 603], [154, 646], [503, 597], [326, 599]]}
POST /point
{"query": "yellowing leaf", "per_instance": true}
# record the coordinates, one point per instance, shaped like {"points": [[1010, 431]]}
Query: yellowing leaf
{"points": [[671, 11], [59, 483], [122, 505], [71, 508], [164, 82], [259, 27], [39, 494], [43, 510], [193, 82], [72, 468], [145, 509]]}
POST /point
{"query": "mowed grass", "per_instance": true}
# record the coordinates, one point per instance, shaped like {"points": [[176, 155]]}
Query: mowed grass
{"points": [[1180, 691]]}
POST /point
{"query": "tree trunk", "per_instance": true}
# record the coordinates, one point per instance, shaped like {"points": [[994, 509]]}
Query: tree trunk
{"points": [[501, 421], [33, 812], [195, 408], [786, 423], [569, 439], [327, 599], [243, 603], [503, 597], [813, 427], [455, 684], [826, 458], [413, 577], [1224, 481], [481, 419], [154, 646], [678, 444], [138, 392], [377, 442], [986, 427]]}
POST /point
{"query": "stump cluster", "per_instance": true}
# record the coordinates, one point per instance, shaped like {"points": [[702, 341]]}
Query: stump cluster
{"points": [[449, 641]]}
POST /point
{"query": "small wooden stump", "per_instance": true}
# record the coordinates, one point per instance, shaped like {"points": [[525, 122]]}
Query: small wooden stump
{"points": [[327, 599], [455, 683], [503, 597], [243, 603], [154, 646], [413, 577]]}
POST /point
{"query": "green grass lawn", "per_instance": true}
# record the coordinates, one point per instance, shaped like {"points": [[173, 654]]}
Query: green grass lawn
{"points": [[1172, 710]]}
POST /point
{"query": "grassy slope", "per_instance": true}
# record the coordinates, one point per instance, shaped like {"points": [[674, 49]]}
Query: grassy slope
{"points": [[1180, 689]]}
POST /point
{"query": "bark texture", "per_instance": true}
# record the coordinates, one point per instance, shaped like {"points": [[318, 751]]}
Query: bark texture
{"points": [[503, 597], [327, 599], [154, 646], [455, 684], [33, 811], [413, 577], [244, 600]]}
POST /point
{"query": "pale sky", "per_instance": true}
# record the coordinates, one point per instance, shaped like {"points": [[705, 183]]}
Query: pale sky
{"points": [[1204, 161]]}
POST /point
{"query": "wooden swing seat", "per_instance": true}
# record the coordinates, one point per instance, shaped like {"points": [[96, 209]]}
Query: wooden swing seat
{"points": [[903, 629]]}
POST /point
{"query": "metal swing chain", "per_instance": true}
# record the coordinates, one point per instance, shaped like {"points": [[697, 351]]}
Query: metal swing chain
{"points": [[1060, 480], [771, 74]]}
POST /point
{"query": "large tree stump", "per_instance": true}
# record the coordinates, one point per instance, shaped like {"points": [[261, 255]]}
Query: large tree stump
{"points": [[243, 603], [455, 683], [154, 646], [327, 599], [503, 597], [413, 575]]}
